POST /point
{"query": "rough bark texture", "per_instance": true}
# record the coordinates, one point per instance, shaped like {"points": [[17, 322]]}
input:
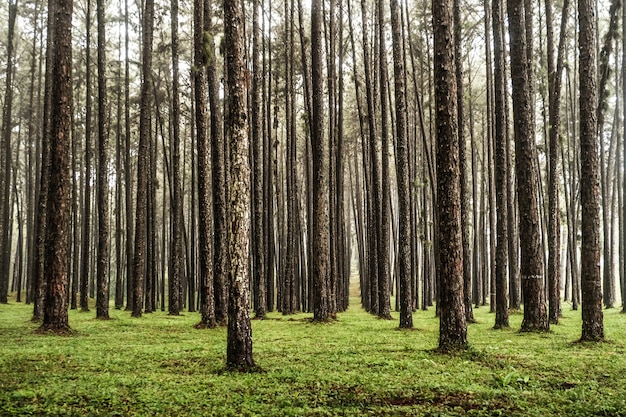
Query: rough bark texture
{"points": [[176, 252], [143, 162], [402, 173], [257, 156], [593, 326], [5, 161], [58, 218], [219, 178], [384, 274], [102, 274], [86, 216], [465, 183], [501, 143], [532, 271], [453, 326], [207, 295], [239, 350], [38, 280], [320, 231]]}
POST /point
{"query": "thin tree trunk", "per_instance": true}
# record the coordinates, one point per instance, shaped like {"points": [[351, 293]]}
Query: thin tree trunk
{"points": [[104, 250], [402, 173]]}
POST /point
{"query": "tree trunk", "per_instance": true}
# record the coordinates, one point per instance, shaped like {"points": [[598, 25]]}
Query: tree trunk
{"points": [[258, 175], [593, 326], [535, 312], [86, 217], [102, 277], [501, 143], [453, 326], [402, 174], [320, 229], [219, 180], [143, 162], [176, 250], [5, 160], [56, 266], [239, 350]]}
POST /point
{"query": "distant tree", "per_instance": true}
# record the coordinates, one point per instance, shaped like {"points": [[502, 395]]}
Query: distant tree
{"points": [[102, 278], [453, 326], [535, 311], [593, 326], [58, 216], [239, 350]]}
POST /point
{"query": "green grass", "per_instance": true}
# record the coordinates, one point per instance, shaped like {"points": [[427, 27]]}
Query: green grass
{"points": [[359, 365]]}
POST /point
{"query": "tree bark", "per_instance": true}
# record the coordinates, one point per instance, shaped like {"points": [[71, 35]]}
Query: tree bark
{"points": [[453, 326], [143, 162], [501, 143], [56, 266], [239, 350], [402, 174], [592, 326], [535, 311], [102, 277], [320, 230]]}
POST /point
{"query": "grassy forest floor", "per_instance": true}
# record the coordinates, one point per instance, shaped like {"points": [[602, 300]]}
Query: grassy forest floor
{"points": [[359, 365]]}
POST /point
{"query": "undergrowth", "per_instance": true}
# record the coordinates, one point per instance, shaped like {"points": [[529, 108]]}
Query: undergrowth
{"points": [[357, 365]]}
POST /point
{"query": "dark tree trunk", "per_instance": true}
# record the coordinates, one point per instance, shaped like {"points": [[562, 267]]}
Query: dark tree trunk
{"points": [[143, 162], [501, 143], [320, 223], [5, 161], [453, 326], [58, 218], [127, 170], [258, 174], [384, 276], [593, 326], [465, 183], [402, 174], [102, 277], [219, 181], [202, 25], [535, 311], [86, 217], [41, 211], [176, 249], [239, 351]]}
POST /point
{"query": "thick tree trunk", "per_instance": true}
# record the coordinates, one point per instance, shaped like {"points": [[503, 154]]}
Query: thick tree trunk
{"points": [[239, 350], [453, 326], [143, 162], [58, 217], [593, 326], [535, 311], [320, 229]]}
